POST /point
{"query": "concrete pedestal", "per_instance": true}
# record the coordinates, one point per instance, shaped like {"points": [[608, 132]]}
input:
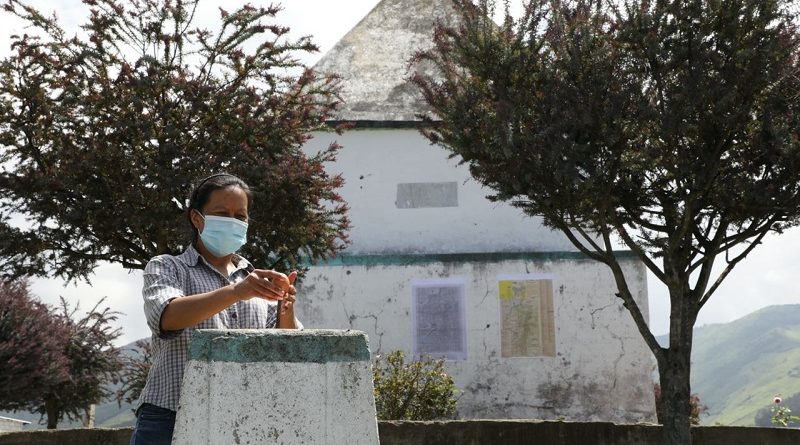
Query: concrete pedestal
{"points": [[277, 387]]}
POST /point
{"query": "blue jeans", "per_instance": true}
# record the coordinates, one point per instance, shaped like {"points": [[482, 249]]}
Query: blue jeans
{"points": [[154, 426]]}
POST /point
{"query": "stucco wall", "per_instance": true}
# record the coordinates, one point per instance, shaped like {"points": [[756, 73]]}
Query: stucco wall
{"points": [[568, 433], [373, 163], [601, 370], [92, 436], [7, 424], [245, 386], [473, 432], [373, 59]]}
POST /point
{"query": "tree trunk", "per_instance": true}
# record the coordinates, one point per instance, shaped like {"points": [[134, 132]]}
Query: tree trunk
{"points": [[675, 373], [51, 408], [88, 419]]}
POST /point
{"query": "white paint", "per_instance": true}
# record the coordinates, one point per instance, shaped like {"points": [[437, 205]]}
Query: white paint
{"points": [[8, 424], [526, 276], [275, 402], [373, 162], [602, 368]]}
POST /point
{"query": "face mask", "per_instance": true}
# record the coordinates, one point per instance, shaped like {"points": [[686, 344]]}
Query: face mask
{"points": [[222, 236]]}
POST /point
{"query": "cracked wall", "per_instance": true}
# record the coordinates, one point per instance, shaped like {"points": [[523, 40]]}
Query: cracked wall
{"points": [[375, 162], [601, 370]]}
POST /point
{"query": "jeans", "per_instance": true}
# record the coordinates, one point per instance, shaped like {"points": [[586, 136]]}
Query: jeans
{"points": [[154, 426]]}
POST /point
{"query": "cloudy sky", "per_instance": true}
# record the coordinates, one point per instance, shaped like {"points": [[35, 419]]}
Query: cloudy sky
{"points": [[765, 278]]}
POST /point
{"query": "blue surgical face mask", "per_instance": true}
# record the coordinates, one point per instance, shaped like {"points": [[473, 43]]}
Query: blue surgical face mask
{"points": [[222, 236]]}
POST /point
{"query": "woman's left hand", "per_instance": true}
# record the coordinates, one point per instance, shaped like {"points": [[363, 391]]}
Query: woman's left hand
{"points": [[287, 305]]}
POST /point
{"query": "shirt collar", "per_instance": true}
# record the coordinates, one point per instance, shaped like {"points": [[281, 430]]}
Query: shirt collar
{"points": [[191, 257]]}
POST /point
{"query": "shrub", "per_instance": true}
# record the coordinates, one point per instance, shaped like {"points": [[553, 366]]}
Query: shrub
{"points": [[779, 412], [418, 390]]}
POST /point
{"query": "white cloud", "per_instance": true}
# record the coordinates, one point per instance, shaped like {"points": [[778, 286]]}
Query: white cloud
{"points": [[120, 287], [762, 279]]}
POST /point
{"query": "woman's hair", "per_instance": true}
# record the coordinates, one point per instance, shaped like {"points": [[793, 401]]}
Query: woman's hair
{"points": [[202, 192]]}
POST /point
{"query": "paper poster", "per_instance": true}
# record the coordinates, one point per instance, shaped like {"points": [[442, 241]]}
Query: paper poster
{"points": [[439, 319], [527, 318]]}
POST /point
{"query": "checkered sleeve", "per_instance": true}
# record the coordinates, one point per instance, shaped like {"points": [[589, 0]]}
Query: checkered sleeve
{"points": [[161, 285]]}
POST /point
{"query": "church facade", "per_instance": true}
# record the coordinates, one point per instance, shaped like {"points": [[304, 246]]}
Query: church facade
{"points": [[529, 326]]}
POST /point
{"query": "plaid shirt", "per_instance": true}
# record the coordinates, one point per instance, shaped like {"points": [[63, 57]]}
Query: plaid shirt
{"points": [[167, 277]]}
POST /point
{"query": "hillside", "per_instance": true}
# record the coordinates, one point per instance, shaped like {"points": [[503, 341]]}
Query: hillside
{"points": [[738, 367]]}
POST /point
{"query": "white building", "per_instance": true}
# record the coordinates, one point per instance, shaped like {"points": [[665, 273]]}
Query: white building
{"points": [[8, 424], [531, 327]]}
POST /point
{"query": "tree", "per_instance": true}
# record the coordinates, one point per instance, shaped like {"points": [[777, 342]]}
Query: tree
{"points": [[31, 348], [54, 363], [697, 408], [134, 374], [93, 361], [670, 127], [102, 136]]}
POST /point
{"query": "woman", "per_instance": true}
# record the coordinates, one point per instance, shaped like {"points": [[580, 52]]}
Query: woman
{"points": [[208, 286]]}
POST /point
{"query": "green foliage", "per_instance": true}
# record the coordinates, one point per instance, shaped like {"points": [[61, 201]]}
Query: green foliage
{"points": [[419, 390], [101, 137], [735, 364], [782, 415], [672, 127]]}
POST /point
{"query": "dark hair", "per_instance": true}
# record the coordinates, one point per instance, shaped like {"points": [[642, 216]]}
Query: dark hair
{"points": [[202, 192]]}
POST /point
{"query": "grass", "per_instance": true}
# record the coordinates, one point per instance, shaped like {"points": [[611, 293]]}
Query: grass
{"points": [[738, 367]]}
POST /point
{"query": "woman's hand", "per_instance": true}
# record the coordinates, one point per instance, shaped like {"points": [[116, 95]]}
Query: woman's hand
{"points": [[267, 284], [287, 307]]}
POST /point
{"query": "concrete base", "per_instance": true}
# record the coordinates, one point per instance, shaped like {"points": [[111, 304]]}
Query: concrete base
{"points": [[277, 386]]}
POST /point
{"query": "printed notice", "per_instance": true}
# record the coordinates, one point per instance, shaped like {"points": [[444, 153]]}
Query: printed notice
{"points": [[439, 319], [527, 318]]}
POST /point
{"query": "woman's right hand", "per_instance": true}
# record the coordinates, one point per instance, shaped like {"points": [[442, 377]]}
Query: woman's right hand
{"points": [[267, 284]]}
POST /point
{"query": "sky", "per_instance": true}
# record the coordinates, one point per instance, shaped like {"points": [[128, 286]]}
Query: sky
{"points": [[765, 278]]}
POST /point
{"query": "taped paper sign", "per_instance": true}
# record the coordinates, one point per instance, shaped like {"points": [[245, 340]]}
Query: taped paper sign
{"points": [[527, 318], [439, 319]]}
